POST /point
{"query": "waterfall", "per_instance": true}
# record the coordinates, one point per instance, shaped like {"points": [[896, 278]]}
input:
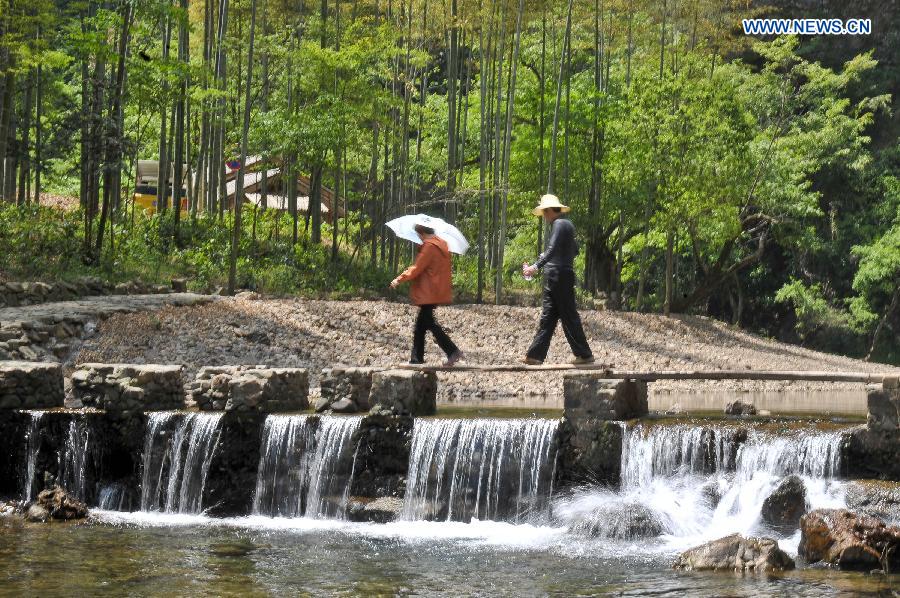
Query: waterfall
{"points": [[305, 465], [670, 451], [73, 459], [178, 450], [34, 447], [500, 469], [692, 483], [113, 497]]}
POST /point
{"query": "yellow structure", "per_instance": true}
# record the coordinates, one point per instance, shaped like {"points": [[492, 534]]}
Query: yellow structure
{"points": [[146, 182]]}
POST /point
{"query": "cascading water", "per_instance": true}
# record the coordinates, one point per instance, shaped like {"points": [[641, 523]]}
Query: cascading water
{"points": [[499, 469], [178, 450], [34, 446], [690, 484], [113, 497], [73, 459], [305, 466]]}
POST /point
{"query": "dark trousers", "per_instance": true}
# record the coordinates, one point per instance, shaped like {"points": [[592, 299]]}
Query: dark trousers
{"points": [[559, 304], [425, 322]]}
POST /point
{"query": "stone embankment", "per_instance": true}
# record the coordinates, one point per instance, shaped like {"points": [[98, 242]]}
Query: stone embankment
{"points": [[53, 331], [16, 294]]}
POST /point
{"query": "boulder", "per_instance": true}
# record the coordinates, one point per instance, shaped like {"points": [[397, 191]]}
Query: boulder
{"points": [[344, 406], [875, 498], [619, 521], [589, 395], [849, 540], [59, 505], [783, 508], [380, 510], [404, 392], [37, 514], [736, 553], [740, 408]]}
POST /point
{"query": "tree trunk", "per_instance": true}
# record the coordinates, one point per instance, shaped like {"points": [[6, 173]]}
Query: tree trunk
{"points": [[178, 170], [559, 85], [452, 77], [24, 147], [162, 182], [895, 302], [245, 133], [510, 108]]}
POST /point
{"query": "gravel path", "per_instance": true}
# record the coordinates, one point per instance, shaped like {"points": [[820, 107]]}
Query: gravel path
{"points": [[316, 334]]}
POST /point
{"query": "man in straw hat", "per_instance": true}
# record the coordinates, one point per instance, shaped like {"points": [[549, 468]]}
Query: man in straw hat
{"points": [[559, 286]]}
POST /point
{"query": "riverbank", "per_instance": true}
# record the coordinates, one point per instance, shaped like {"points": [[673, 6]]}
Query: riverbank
{"points": [[318, 333]]}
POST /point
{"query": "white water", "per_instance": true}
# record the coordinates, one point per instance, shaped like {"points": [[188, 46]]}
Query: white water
{"points": [[178, 450], [305, 466], [696, 484], [498, 469], [34, 446], [73, 459], [113, 497]]}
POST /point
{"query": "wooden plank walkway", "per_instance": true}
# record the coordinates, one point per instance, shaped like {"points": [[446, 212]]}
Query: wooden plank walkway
{"points": [[650, 376]]}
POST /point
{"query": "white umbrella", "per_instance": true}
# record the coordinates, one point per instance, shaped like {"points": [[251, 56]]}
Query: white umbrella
{"points": [[405, 228]]}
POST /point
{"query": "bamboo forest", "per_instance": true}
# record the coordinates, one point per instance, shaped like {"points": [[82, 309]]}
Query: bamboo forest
{"points": [[751, 179]]}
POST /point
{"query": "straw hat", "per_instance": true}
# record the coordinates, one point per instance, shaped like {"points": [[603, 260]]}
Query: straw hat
{"points": [[549, 201]]}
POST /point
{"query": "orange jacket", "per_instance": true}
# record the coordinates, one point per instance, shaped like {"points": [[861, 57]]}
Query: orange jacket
{"points": [[430, 275]]}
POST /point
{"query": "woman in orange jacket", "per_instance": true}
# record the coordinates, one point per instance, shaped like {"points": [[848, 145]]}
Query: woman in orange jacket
{"points": [[431, 286]]}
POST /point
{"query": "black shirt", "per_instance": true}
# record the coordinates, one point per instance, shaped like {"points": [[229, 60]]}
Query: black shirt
{"points": [[561, 247]]}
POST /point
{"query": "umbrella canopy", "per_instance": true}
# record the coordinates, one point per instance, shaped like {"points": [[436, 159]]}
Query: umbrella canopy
{"points": [[405, 228]]}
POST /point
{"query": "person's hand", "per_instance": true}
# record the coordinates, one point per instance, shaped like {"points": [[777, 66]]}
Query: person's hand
{"points": [[529, 270], [395, 283]]}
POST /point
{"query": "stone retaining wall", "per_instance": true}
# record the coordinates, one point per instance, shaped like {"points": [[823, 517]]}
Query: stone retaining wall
{"points": [[30, 385], [52, 331], [250, 388], [15, 294], [128, 387]]}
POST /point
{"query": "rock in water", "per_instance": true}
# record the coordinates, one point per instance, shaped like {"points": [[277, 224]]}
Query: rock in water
{"points": [[620, 521], [37, 514], [735, 553], [60, 505], [740, 408], [849, 540], [783, 508], [380, 510], [344, 406]]}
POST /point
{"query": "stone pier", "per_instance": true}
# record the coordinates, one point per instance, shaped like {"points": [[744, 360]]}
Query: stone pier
{"points": [[346, 389], [873, 450], [30, 385], [404, 392], [592, 431], [250, 388], [128, 388]]}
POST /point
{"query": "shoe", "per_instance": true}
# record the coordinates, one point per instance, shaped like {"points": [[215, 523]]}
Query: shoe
{"points": [[583, 360], [411, 362], [453, 358], [532, 361]]}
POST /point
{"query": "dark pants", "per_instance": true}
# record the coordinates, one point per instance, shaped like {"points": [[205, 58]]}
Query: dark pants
{"points": [[425, 322], [559, 304]]}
